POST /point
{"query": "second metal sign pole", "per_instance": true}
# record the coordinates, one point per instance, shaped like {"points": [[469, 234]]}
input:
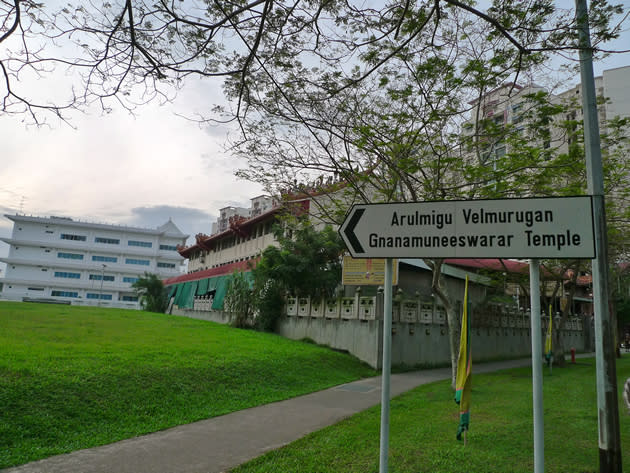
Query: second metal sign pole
{"points": [[387, 359], [610, 458], [537, 388]]}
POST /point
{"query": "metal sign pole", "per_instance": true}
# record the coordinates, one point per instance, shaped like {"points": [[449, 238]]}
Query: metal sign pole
{"points": [[539, 432], [607, 403], [387, 358]]}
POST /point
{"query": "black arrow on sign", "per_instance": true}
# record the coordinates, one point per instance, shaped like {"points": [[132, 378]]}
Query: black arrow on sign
{"points": [[349, 231]]}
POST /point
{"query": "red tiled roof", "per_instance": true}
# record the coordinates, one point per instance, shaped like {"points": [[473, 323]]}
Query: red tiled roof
{"points": [[494, 264], [212, 272], [585, 280]]}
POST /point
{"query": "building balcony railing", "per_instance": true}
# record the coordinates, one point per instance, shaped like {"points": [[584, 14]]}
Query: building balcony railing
{"points": [[94, 266], [78, 284], [94, 248]]}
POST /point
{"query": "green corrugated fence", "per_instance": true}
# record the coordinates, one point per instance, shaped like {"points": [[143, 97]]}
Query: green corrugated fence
{"points": [[185, 292]]}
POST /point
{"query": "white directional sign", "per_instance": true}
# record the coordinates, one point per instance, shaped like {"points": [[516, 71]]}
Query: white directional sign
{"points": [[559, 227]]}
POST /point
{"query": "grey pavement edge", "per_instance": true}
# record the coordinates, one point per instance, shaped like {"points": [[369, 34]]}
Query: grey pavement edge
{"points": [[218, 444]]}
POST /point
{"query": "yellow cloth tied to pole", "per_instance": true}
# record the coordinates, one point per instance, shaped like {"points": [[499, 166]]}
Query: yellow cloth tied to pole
{"points": [[463, 381], [548, 339]]}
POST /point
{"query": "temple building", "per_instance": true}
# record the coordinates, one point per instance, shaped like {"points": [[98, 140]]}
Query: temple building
{"points": [[238, 247]]}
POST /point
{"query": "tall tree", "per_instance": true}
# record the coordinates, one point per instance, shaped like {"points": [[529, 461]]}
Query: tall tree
{"points": [[306, 263], [151, 293], [398, 137], [238, 299]]}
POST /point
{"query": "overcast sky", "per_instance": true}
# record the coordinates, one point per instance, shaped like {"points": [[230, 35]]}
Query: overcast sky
{"points": [[136, 171], [121, 169]]}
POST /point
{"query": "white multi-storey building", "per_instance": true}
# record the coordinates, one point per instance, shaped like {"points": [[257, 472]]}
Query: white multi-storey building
{"points": [[611, 85], [260, 205], [506, 105], [59, 258], [503, 106], [228, 215]]}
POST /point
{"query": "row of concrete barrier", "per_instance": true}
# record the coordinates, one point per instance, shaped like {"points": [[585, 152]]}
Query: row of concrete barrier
{"points": [[419, 329], [412, 311]]}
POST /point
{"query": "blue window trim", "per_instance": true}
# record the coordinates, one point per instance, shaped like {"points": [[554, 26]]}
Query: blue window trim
{"points": [[140, 262], [71, 236], [62, 254], [65, 274], [143, 244], [105, 259], [64, 294], [98, 277], [108, 241], [104, 297]]}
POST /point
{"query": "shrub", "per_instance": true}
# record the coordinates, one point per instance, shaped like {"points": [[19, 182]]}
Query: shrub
{"points": [[238, 300]]}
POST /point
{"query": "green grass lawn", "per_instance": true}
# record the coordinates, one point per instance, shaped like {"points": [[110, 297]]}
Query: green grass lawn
{"points": [[77, 377], [424, 421]]}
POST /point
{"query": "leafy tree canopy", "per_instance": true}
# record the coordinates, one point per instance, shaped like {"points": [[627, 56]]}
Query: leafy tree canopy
{"points": [[130, 51], [306, 263]]}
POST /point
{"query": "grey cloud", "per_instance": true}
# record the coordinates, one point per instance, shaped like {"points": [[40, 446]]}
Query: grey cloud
{"points": [[188, 219], [218, 161], [7, 210], [219, 131]]}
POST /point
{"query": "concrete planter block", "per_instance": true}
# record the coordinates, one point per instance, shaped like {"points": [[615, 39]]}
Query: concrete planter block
{"points": [[395, 311], [304, 307], [440, 316], [292, 306], [367, 308], [426, 313], [317, 309], [348, 310], [331, 309], [409, 312]]}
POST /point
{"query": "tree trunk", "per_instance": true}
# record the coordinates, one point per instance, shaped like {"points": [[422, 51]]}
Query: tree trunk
{"points": [[452, 321], [558, 343], [564, 316]]}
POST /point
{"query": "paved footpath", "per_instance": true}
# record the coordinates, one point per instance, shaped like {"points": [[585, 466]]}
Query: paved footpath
{"points": [[218, 444]]}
